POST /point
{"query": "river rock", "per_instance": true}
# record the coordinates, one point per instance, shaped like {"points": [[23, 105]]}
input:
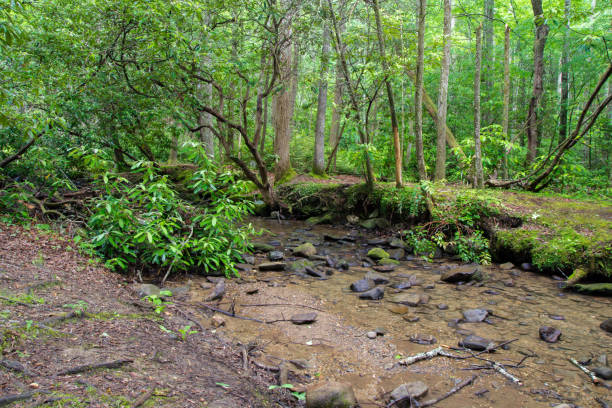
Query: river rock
{"points": [[374, 223], [475, 315], [476, 343], [550, 334], [217, 292], [377, 241], [305, 250], [330, 237], [304, 318], [423, 339], [603, 372], [384, 268], [411, 319], [602, 359], [217, 321], [261, 247], [272, 266], [398, 308], [373, 294], [443, 306], [371, 334], [249, 259], [362, 285], [396, 254], [376, 278], [506, 266], [409, 299], [509, 283], [397, 243], [331, 395], [462, 273], [274, 256], [313, 272], [526, 266], [407, 391], [606, 325], [563, 406], [377, 254], [402, 285], [147, 289], [388, 261]]}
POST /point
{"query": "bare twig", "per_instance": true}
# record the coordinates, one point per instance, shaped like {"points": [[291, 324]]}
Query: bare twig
{"points": [[87, 367], [586, 371], [143, 398]]}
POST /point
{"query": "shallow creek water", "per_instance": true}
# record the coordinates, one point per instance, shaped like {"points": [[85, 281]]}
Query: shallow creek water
{"points": [[336, 346]]}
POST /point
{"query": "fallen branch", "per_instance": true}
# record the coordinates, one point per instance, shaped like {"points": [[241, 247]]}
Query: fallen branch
{"points": [[223, 312], [16, 366], [88, 367], [500, 369], [143, 398], [453, 390], [15, 301], [586, 371], [265, 367], [439, 351], [9, 399]]}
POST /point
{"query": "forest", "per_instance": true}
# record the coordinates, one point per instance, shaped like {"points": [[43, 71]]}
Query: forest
{"points": [[151, 144]]}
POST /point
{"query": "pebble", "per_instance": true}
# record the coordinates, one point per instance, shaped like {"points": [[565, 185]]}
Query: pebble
{"points": [[443, 306], [405, 392], [372, 334], [603, 372], [476, 343], [411, 319], [419, 338], [550, 334], [475, 315], [304, 318]]}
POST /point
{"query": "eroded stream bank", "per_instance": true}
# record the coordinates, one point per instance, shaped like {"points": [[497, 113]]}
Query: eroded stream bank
{"points": [[338, 345]]}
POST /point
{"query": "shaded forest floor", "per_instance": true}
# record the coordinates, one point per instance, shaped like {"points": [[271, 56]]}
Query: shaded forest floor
{"points": [[60, 311]]}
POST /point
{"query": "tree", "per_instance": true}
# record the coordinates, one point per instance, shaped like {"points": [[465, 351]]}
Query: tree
{"points": [[488, 54], [478, 172], [564, 74], [319, 153], [394, 125], [418, 93], [440, 173], [506, 110]]}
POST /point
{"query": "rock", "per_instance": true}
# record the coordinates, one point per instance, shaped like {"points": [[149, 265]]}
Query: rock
{"points": [[423, 339], [550, 334], [402, 285], [352, 219], [606, 325], [376, 278], [424, 298], [377, 254], [526, 266], [362, 285], [398, 308], [476, 343], [462, 273], [272, 266], [300, 265], [249, 259], [147, 289], [331, 395], [243, 267], [373, 294], [475, 315], [409, 299], [384, 268], [509, 283], [397, 243], [313, 272], [330, 237], [305, 250], [377, 241], [411, 319], [261, 247], [388, 261], [322, 219], [576, 276], [443, 306], [596, 289], [396, 254], [602, 360], [217, 292], [491, 292], [274, 256], [371, 334], [374, 223], [405, 392], [556, 317], [563, 406], [304, 318], [222, 403], [506, 266], [603, 372], [217, 321]]}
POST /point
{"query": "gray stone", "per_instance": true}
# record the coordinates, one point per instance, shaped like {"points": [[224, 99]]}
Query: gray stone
{"points": [[371, 334], [506, 266], [603, 372], [606, 325], [305, 250], [443, 306], [549, 334], [362, 285], [249, 259], [377, 278], [397, 243], [462, 273], [304, 318], [384, 268], [405, 392], [274, 256], [475, 315], [402, 285], [396, 254], [409, 299], [422, 338], [373, 294], [147, 289], [217, 292], [272, 266], [261, 247], [476, 343], [331, 395], [374, 223], [313, 272], [563, 406]]}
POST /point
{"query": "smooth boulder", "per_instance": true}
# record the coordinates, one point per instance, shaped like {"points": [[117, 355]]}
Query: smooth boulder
{"points": [[362, 285], [373, 294], [377, 278], [606, 325], [549, 334], [476, 343], [475, 315], [306, 250], [408, 299], [405, 392], [331, 395], [378, 254], [304, 318], [272, 266], [462, 273]]}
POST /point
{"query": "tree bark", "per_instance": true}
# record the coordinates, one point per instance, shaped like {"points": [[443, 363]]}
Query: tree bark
{"points": [[478, 172], [394, 125], [418, 94], [506, 111], [319, 153], [564, 75], [541, 34], [488, 54], [440, 173]]}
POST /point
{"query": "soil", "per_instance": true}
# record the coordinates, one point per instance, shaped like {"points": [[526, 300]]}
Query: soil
{"points": [[43, 278]]}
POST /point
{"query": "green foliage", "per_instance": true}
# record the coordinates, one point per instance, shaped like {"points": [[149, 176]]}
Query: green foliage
{"points": [[186, 331], [149, 226], [158, 301]]}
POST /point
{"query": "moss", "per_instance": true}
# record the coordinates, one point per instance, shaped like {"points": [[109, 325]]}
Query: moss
{"points": [[577, 276], [323, 219], [388, 261], [595, 288], [289, 175], [378, 253]]}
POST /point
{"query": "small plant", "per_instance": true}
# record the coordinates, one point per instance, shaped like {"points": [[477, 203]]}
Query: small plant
{"points": [[301, 396], [186, 331], [159, 303], [79, 307]]}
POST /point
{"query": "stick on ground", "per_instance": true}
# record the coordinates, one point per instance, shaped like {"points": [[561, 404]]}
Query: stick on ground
{"points": [[87, 367]]}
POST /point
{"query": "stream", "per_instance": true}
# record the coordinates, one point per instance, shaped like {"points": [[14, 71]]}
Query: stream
{"points": [[340, 344]]}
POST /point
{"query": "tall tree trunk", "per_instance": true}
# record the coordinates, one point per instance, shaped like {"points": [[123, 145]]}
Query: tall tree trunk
{"points": [[319, 153], [609, 135], [204, 119], [394, 125], [440, 173], [334, 131], [172, 157], [418, 93], [478, 172], [541, 34], [264, 130], [564, 75], [284, 102], [488, 54], [506, 112]]}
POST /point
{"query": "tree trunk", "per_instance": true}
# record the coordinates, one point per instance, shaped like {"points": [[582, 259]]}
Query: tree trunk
{"points": [[319, 153], [334, 131], [440, 173], [262, 144], [506, 112], [418, 94], [204, 119], [564, 75], [541, 35], [489, 58], [394, 124], [478, 172], [173, 150]]}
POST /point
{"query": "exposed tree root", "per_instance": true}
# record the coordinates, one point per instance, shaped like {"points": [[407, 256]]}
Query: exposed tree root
{"points": [[88, 367]]}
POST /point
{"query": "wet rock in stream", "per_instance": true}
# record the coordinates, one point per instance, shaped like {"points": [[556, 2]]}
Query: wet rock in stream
{"points": [[475, 315], [373, 294], [549, 334], [274, 256], [476, 343], [462, 273], [424, 339], [378, 254], [261, 247], [249, 259], [217, 292], [376, 278], [362, 285], [313, 272], [272, 266], [606, 325], [603, 372], [405, 392], [331, 395], [408, 299], [304, 318], [384, 268], [306, 250]]}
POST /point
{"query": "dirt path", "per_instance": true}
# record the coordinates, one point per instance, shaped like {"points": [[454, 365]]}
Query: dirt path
{"points": [[42, 279]]}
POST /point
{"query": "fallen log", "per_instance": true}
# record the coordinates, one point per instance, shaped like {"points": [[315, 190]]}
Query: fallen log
{"points": [[16, 366], [143, 398], [88, 367], [9, 399]]}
